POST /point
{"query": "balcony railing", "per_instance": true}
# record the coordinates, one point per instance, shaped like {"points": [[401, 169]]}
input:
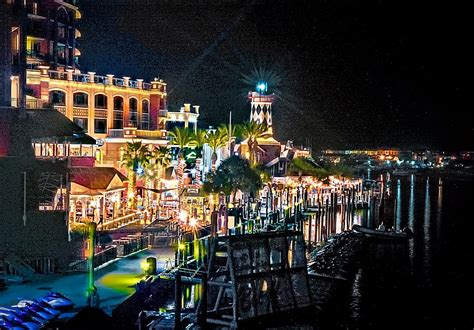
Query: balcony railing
{"points": [[115, 133], [35, 54], [30, 104], [80, 78], [119, 82], [151, 134], [144, 134], [103, 80], [162, 113], [58, 75], [60, 108]]}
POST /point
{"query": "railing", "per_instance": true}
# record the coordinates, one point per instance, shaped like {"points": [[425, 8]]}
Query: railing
{"points": [[58, 75], [120, 221], [121, 248], [103, 80], [60, 108], [36, 54], [150, 134], [119, 82], [162, 113], [80, 77], [115, 133], [30, 104]]}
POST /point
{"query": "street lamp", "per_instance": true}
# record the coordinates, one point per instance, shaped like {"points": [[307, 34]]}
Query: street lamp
{"points": [[92, 295]]}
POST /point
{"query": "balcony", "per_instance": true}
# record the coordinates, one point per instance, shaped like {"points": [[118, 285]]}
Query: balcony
{"points": [[102, 80], [38, 55], [132, 132], [58, 75], [30, 103], [115, 133], [162, 113], [153, 135]]}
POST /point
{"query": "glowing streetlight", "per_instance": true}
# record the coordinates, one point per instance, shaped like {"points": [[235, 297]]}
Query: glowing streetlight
{"points": [[183, 216]]}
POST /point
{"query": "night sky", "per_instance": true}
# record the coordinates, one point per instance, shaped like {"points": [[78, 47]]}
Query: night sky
{"points": [[346, 73]]}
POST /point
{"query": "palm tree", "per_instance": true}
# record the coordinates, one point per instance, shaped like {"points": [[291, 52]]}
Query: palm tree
{"points": [[252, 131], [135, 158], [200, 138], [228, 133], [181, 137], [216, 140], [161, 159]]}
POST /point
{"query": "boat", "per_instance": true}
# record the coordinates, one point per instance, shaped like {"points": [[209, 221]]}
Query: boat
{"points": [[403, 172], [396, 235]]}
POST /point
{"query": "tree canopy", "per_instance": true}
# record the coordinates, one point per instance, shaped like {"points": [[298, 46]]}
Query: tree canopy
{"points": [[234, 174], [307, 166]]}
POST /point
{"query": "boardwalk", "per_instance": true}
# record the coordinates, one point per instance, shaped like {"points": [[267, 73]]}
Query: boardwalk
{"points": [[114, 282]]}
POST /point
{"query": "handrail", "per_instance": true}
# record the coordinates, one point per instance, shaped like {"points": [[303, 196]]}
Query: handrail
{"points": [[103, 80]]}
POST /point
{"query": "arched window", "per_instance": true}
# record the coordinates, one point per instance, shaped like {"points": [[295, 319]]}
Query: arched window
{"points": [[144, 120], [118, 112], [101, 101], [81, 99], [133, 112], [57, 98]]}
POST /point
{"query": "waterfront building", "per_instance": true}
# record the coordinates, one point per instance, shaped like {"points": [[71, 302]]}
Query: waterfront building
{"points": [[43, 70]]}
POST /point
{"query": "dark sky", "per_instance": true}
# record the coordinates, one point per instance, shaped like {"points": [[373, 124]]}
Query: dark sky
{"points": [[346, 73]]}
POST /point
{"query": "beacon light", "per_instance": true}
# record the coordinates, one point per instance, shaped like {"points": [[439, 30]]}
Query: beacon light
{"points": [[262, 86]]}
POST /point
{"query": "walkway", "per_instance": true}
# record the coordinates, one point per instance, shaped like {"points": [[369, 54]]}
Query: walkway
{"points": [[114, 282]]}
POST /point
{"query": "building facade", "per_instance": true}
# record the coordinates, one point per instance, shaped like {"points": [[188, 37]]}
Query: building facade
{"points": [[41, 70]]}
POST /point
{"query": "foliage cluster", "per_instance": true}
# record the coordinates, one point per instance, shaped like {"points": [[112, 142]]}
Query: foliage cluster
{"points": [[234, 174]]}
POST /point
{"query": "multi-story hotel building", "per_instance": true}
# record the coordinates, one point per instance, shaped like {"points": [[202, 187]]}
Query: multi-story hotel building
{"points": [[111, 109]]}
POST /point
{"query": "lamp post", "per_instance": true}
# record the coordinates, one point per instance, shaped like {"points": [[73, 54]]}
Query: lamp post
{"points": [[92, 295]]}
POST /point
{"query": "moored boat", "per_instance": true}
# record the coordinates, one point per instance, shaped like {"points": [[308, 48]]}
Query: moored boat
{"points": [[388, 234], [403, 172]]}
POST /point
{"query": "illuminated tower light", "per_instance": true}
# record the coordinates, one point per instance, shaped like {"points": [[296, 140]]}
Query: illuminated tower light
{"points": [[261, 105]]}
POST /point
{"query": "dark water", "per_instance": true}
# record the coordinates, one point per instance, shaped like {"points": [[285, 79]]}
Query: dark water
{"points": [[426, 284]]}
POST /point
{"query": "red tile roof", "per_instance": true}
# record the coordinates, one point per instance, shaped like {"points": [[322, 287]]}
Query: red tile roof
{"points": [[94, 177]]}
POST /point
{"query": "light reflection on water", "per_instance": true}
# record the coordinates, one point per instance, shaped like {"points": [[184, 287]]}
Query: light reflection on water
{"points": [[427, 234], [398, 210], [439, 209], [411, 220], [422, 204]]}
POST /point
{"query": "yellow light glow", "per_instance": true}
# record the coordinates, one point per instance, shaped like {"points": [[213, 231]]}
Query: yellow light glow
{"points": [[181, 246], [145, 265], [183, 216]]}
